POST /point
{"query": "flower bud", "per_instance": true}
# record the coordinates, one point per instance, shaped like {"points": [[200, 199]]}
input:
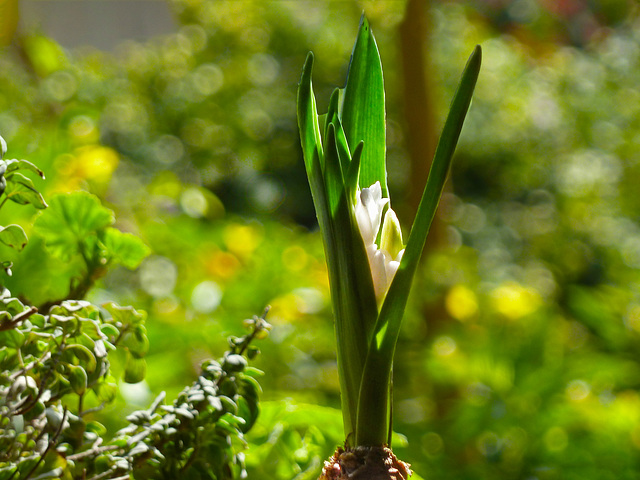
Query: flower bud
{"points": [[391, 239]]}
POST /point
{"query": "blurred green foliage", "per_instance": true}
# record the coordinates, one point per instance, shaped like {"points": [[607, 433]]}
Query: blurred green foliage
{"points": [[518, 356]]}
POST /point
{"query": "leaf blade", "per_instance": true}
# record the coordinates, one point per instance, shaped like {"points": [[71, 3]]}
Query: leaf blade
{"points": [[377, 372], [363, 111]]}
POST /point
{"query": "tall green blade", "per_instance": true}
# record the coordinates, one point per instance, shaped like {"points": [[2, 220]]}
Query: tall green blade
{"points": [[363, 113], [349, 277], [373, 406], [310, 132]]}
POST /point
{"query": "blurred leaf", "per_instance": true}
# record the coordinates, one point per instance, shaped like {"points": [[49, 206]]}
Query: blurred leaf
{"points": [[136, 341], [9, 19], [70, 220], [13, 338], [124, 248], [21, 190], [13, 236], [135, 369]]}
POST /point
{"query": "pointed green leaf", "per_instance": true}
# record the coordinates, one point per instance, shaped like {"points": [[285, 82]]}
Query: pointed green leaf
{"points": [[343, 147], [374, 394], [333, 171], [14, 165], [363, 111], [333, 110], [351, 180], [308, 123], [13, 236]]}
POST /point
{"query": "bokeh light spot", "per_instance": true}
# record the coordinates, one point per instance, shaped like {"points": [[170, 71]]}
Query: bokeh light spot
{"points": [[515, 301], [158, 276], [556, 439], [461, 303], [444, 346], [578, 390], [206, 296]]}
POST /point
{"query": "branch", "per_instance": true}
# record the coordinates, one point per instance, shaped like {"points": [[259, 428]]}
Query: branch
{"points": [[17, 319], [50, 444]]}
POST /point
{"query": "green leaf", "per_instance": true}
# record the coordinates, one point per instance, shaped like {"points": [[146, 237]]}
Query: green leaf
{"points": [[6, 266], [77, 378], [21, 190], [136, 341], [12, 338], [353, 174], [363, 111], [13, 236], [106, 391], [135, 369], [332, 171], [84, 355], [124, 248], [72, 218], [312, 147], [373, 404], [14, 165], [125, 315]]}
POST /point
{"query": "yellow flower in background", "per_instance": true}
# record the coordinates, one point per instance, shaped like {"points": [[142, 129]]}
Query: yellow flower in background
{"points": [[461, 303], [242, 240], [90, 163], [515, 301]]}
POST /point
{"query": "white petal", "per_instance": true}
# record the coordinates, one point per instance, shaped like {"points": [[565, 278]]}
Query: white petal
{"points": [[379, 275], [392, 268], [364, 222], [373, 202]]}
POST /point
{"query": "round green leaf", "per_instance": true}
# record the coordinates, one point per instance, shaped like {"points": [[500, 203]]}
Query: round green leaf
{"points": [[77, 378]]}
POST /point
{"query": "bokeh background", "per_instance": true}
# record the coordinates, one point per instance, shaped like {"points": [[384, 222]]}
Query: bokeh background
{"points": [[519, 356]]}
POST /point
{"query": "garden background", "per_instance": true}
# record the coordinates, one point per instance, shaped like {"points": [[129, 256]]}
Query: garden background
{"points": [[518, 357]]}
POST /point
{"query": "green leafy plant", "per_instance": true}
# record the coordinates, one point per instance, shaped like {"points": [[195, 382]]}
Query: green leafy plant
{"points": [[344, 154], [16, 187], [56, 368]]}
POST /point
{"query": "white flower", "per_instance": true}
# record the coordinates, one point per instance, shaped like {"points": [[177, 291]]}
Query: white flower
{"points": [[384, 262], [369, 206]]}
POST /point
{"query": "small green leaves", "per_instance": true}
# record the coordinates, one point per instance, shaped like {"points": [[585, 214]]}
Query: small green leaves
{"points": [[13, 236]]}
